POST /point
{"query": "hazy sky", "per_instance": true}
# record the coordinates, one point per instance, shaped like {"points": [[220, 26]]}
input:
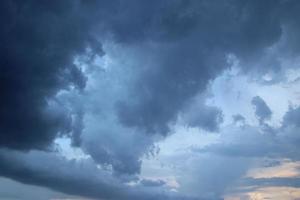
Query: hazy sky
{"points": [[150, 100]]}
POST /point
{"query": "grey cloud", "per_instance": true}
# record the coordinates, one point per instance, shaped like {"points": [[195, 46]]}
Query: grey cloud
{"points": [[197, 114], [262, 110], [263, 141], [209, 118], [38, 42], [269, 182], [12, 190], [191, 49], [289, 131], [107, 141], [292, 117], [238, 118], [152, 183], [81, 178], [184, 66], [187, 42]]}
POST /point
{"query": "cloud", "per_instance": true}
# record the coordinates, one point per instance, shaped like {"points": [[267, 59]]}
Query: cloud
{"points": [[169, 53], [152, 183], [15, 190], [262, 141], [280, 181], [184, 66], [262, 110], [292, 118], [39, 40], [81, 178], [253, 145], [238, 118], [198, 114]]}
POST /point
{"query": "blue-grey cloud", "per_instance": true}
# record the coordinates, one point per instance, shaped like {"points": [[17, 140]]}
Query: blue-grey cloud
{"points": [[186, 64], [262, 110], [292, 117], [263, 141], [38, 43], [184, 45], [271, 182], [152, 183], [81, 178], [238, 119], [197, 114]]}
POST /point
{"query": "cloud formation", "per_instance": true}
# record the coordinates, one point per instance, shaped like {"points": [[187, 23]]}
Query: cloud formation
{"points": [[39, 41], [116, 76], [81, 178], [252, 141], [262, 111]]}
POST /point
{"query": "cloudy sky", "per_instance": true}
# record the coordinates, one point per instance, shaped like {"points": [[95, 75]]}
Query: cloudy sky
{"points": [[150, 100]]}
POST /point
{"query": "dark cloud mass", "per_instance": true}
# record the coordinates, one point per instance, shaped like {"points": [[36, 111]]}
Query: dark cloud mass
{"points": [[39, 39], [186, 64], [68, 177], [186, 45]]}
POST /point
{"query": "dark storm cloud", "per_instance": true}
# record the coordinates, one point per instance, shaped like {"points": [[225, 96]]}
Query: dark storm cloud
{"points": [[39, 40], [186, 63], [81, 178], [262, 110], [189, 41]]}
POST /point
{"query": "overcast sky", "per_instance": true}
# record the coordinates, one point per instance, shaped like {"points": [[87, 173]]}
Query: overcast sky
{"points": [[149, 100]]}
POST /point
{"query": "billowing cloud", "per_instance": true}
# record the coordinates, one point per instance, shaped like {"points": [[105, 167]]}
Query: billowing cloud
{"points": [[116, 77], [38, 42]]}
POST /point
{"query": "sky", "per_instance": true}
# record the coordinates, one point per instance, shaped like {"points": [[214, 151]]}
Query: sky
{"points": [[150, 100]]}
